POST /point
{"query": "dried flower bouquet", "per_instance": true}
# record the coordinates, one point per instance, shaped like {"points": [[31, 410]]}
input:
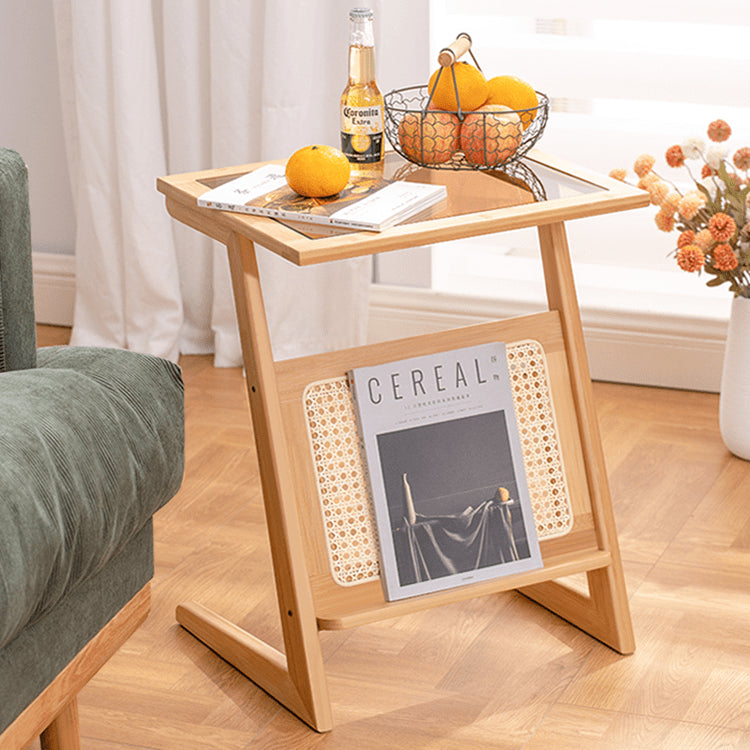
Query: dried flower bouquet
{"points": [[713, 218]]}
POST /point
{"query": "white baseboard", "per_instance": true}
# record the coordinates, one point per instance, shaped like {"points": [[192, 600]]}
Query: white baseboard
{"points": [[54, 288], [623, 346]]}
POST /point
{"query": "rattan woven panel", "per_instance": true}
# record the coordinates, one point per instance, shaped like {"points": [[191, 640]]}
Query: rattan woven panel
{"points": [[342, 486]]}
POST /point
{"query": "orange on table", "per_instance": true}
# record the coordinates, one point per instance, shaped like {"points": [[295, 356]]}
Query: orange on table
{"points": [[513, 92], [490, 135], [429, 138], [317, 171], [470, 82]]}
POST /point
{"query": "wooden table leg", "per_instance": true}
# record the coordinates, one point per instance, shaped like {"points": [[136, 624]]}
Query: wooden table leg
{"points": [[298, 679], [63, 733], [605, 613]]}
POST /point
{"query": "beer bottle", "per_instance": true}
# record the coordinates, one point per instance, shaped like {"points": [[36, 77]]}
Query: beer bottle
{"points": [[361, 101]]}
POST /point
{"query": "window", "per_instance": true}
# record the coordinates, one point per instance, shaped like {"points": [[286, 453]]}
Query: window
{"points": [[623, 79]]}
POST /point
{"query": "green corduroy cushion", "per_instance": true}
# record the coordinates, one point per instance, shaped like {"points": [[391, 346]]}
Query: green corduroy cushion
{"points": [[91, 445]]}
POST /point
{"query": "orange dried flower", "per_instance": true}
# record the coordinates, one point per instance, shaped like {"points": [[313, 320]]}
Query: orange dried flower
{"points": [[658, 191], [719, 131], [690, 204], [724, 257], [675, 157], [741, 158], [671, 201], [647, 180], [690, 258], [686, 238], [703, 239], [643, 164], [618, 174], [664, 220], [707, 171], [722, 227]]}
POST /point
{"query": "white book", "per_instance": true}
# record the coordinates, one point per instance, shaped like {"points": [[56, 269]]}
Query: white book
{"points": [[367, 203], [445, 470]]}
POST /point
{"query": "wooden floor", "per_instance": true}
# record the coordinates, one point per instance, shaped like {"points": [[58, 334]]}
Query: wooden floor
{"points": [[498, 672]]}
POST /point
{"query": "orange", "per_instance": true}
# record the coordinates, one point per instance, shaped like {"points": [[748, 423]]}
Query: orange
{"points": [[430, 138], [470, 82], [490, 135], [317, 171], [513, 92]]}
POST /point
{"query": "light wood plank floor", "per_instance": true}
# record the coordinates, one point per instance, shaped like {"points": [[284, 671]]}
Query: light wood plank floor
{"points": [[498, 672]]}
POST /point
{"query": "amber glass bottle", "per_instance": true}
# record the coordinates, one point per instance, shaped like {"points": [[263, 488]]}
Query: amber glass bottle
{"points": [[362, 102]]}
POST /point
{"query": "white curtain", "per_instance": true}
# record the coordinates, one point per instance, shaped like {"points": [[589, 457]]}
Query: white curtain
{"points": [[155, 87]]}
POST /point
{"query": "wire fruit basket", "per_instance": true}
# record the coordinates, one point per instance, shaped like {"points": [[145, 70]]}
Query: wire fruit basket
{"points": [[486, 138]]}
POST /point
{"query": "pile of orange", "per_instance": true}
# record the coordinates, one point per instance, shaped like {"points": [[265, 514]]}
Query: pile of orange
{"points": [[497, 110]]}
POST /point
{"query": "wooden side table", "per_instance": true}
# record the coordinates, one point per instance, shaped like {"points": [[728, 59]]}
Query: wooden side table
{"points": [[544, 192]]}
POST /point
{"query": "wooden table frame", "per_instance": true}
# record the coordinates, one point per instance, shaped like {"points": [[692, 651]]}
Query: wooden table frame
{"points": [[308, 599]]}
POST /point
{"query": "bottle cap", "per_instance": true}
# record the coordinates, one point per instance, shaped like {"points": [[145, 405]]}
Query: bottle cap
{"points": [[357, 14]]}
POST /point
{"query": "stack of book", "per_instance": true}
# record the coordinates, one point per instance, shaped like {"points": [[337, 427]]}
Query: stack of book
{"points": [[366, 203]]}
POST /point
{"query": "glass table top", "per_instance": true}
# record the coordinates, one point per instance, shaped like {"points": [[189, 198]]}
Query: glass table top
{"points": [[472, 190]]}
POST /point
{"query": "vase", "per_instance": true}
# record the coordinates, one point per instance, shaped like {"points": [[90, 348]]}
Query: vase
{"points": [[734, 401]]}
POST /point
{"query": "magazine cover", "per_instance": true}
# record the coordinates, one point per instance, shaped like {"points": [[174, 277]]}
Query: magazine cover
{"points": [[445, 470], [367, 202]]}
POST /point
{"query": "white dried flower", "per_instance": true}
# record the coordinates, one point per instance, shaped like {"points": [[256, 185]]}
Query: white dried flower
{"points": [[692, 148], [715, 155]]}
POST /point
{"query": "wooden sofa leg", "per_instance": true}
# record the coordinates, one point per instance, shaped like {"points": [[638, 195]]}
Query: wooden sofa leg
{"points": [[63, 733]]}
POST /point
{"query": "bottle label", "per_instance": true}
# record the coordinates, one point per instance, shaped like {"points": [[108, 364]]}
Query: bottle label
{"points": [[362, 133]]}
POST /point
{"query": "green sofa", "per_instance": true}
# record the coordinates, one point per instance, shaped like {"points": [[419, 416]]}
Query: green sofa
{"points": [[91, 446]]}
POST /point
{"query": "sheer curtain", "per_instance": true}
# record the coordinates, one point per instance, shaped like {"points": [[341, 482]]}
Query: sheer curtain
{"points": [[151, 87]]}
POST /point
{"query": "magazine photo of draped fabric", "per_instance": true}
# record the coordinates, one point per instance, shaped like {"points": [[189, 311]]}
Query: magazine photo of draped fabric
{"points": [[445, 470], [452, 498]]}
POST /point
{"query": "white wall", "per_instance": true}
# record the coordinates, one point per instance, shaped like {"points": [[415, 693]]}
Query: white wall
{"points": [[31, 120]]}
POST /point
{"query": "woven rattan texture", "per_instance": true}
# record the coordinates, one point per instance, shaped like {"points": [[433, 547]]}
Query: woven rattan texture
{"points": [[342, 486]]}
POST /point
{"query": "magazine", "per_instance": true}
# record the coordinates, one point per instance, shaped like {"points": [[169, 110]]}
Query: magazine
{"points": [[366, 203], [443, 460]]}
